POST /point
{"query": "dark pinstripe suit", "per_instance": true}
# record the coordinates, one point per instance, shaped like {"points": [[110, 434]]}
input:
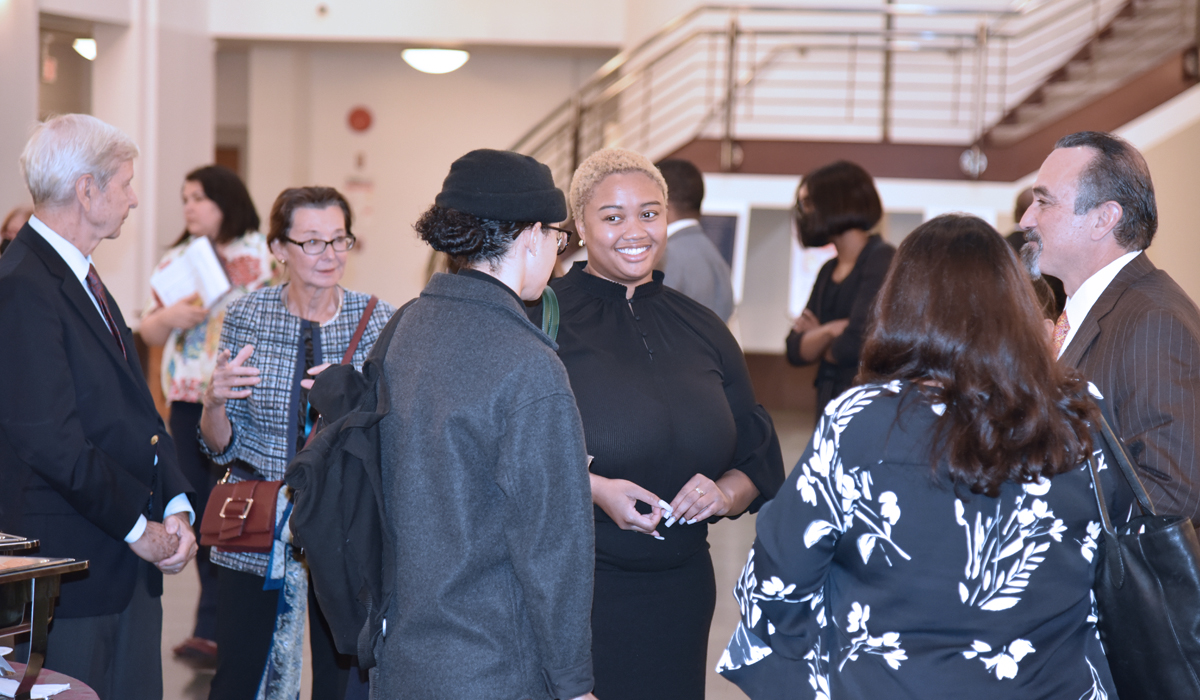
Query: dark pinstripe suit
{"points": [[1140, 345]]}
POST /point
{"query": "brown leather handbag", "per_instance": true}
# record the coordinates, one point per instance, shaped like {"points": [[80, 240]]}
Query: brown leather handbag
{"points": [[240, 517]]}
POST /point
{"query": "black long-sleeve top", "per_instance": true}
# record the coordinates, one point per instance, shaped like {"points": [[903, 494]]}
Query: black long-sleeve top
{"points": [[852, 298], [664, 394]]}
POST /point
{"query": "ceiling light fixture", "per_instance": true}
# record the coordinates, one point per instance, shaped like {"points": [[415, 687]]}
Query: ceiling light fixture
{"points": [[435, 61], [85, 48]]}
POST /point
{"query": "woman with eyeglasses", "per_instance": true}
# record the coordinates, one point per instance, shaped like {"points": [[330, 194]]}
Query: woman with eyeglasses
{"points": [[256, 417], [484, 469]]}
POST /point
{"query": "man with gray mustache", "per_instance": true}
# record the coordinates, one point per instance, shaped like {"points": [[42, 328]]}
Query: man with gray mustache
{"points": [[1127, 326]]}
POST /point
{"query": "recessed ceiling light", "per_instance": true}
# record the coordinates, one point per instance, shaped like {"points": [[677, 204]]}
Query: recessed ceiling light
{"points": [[435, 60], [85, 48]]}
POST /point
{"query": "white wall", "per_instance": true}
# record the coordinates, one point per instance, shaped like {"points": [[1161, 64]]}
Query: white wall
{"points": [[595, 23], [299, 101], [19, 85], [110, 11], [1169, 137], [153, 78]]}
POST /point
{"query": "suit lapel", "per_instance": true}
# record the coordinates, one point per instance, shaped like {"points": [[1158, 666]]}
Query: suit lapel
{"points": [[1090, 328], [74, 292]]}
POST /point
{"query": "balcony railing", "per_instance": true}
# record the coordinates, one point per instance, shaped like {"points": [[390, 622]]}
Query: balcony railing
{"points": [[889, 72]]}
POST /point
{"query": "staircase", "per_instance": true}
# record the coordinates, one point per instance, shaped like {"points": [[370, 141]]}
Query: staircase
{"points": [[764, 88], [1132, 43]]}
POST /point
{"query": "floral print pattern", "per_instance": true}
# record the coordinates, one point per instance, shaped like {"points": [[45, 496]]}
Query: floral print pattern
{"points": [[871, 547], [190, 354]]}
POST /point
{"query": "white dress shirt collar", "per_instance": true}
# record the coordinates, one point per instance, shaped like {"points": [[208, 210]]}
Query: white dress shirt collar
{"points": [[71, 255], [66, 250], [676, 226], [1079, 304]]}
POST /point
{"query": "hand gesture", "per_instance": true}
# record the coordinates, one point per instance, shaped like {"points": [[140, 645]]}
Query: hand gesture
{"points": [[700, 498], [308, 383], [177, 525], [805, 322], [617, 497], [185, 313], [231, 379], [155, 544]]}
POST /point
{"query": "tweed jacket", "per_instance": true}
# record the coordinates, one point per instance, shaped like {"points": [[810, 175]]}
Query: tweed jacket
{"points": [[264, 425], [1140, 345], [487, 496]]}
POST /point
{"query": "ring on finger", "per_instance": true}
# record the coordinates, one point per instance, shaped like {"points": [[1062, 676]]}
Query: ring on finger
{"points": [[699, 491]]}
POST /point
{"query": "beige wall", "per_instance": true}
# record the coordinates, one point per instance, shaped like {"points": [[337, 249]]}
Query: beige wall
{"points": [[596, 23], [1175, 167], [19, 85], [153, 78], [298, 104]]}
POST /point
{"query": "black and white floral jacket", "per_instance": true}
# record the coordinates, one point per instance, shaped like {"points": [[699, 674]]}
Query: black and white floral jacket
{"points": [[872, 576]]}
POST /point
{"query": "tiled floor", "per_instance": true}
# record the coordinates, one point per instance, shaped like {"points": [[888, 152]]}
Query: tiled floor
{"points": [[730, 541]]}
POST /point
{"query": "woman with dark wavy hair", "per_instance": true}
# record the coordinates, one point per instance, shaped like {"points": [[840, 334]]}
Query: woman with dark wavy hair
{"points": [[938, 537], [838, 204]]}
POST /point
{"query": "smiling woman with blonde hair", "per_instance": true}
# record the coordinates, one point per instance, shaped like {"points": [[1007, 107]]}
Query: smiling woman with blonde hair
{"points": [[670, 417]]}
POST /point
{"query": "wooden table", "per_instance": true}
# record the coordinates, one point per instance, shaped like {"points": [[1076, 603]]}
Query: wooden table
{"points": [[78, 691], [28, 587]]}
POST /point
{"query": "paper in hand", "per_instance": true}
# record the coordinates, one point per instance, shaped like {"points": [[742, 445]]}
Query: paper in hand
{"points": [[196, 271]]}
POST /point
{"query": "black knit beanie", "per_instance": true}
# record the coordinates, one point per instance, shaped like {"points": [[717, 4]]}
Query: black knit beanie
{"points": [[504, 186]]}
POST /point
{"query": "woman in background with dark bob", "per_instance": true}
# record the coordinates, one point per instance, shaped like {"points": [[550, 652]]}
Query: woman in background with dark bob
{"points": [[484, 469], [938, 537], [838, 204]]}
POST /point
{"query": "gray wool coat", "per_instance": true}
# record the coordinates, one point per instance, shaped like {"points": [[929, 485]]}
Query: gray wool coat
{"points": [[487, 494]]}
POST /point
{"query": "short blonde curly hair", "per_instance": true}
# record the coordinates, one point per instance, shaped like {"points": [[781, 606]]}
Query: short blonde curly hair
{"points": [[605, 162]]}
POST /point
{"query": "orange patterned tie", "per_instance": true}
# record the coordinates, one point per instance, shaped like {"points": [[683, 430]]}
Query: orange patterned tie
{"points": [[1061, 328]]}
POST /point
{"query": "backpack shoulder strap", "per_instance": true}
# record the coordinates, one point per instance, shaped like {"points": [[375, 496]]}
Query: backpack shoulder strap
{"points": [[385, 336], [550, 313]]}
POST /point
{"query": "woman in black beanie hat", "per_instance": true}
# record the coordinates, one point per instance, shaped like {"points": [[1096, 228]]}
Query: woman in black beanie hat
{"points": [[484, 466]]}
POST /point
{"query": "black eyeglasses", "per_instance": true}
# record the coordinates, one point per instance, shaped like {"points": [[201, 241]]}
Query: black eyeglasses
{"points": [[316, 246], [563, 236]]}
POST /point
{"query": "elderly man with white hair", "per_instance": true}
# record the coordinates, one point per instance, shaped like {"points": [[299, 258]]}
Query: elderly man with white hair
{"points": [[87, 465]]}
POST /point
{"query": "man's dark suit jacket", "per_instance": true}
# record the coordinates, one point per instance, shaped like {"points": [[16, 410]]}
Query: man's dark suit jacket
{"points": [[1140, 345], [79, 432]]}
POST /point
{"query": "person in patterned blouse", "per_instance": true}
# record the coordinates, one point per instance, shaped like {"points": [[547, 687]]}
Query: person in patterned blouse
{"points": [[217, 206], [938, 537], [256, 417]]}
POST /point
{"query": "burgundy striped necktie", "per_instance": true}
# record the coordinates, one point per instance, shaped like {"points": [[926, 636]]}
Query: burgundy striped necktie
{"points": [[97, 287]]}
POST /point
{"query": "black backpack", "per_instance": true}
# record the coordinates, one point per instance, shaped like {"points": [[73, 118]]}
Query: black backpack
{"points": [[338, 512], [338, 516]]}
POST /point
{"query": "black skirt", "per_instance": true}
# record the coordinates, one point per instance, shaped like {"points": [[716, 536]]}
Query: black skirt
{"points": [[650, 630]]}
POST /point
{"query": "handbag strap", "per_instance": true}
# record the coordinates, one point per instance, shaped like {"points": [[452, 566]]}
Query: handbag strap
{"points": [[1105, 520], [362, 328], [1126, 465]]}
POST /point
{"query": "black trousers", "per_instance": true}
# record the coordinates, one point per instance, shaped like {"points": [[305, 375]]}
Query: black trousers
{"points": [[202, 474], [245, 625]]}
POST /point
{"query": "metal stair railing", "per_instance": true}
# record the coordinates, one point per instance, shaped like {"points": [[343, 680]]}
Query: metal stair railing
{"points": [[885, 73]]}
